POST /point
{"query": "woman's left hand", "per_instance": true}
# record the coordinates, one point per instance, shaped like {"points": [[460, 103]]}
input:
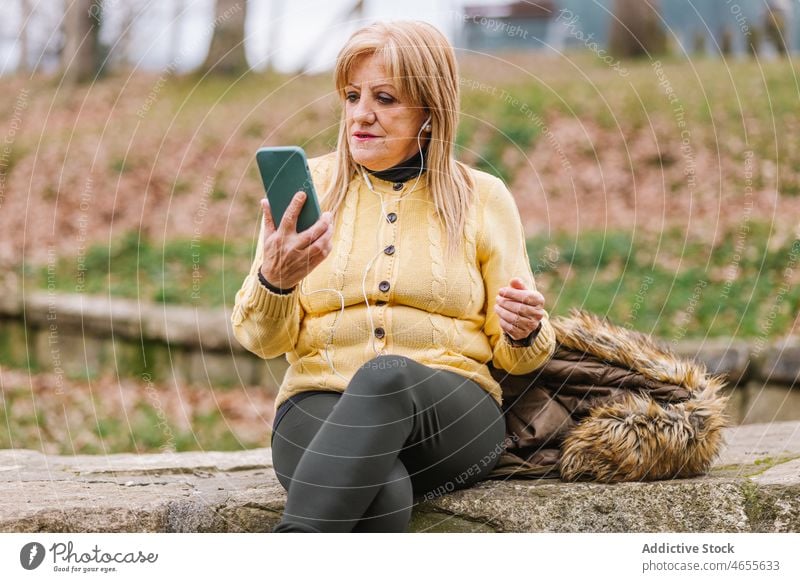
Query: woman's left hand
{"points": [[520, 309]]}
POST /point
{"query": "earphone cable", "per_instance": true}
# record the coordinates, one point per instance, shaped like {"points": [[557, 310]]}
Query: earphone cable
{"points": [[329, 341]]}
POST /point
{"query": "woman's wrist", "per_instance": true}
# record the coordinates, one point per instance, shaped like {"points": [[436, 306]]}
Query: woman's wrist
{"points": [[272, 287], [525, 342]]}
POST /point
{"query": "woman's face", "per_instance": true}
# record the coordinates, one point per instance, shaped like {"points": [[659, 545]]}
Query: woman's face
{"points": [[373, 105]]}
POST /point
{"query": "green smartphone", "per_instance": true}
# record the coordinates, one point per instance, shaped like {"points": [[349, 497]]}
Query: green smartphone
{"points": [[284, 172]]}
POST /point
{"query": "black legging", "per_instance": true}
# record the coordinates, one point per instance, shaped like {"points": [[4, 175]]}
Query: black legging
{"points": [[356, 461]]}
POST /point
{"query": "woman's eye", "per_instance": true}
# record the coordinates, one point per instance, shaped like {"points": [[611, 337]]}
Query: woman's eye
{"points": [[385, 98], [350, 95]]}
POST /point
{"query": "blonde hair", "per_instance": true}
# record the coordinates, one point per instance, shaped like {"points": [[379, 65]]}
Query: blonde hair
{"points": [[423, 62]]}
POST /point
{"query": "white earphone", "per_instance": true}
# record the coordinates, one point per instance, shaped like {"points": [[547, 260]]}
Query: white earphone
{"points": [[427, 128]]}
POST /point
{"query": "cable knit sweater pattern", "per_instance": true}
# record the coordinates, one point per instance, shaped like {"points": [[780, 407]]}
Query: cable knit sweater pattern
{"points": [[437, 312]]}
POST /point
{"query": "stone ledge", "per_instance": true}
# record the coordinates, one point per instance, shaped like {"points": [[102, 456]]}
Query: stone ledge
{"points": [[103, 316], [754, 487]]}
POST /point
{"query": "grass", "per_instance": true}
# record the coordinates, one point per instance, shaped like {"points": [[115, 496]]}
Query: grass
{"points": [[190, 272], [726, 107], [142, 432], [110, 416], [635, 282]]}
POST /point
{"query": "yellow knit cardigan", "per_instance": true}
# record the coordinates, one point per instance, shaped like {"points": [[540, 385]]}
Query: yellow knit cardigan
{"points": [[438, 313]]}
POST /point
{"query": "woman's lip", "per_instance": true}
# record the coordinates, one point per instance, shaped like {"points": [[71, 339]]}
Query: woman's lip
{"points": [[364, 137]]}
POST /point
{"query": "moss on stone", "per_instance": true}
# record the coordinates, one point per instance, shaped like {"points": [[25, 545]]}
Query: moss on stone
{"points": [[441, 522]]}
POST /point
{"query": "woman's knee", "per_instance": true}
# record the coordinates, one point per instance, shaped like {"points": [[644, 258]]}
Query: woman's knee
{"points": [[383, 375], [286, 454], [295, 431]]}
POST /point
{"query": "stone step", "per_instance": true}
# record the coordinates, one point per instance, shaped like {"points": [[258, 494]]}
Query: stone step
{"points": [[753, 487]]}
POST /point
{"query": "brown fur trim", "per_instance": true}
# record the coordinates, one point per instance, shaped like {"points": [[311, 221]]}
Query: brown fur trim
{"points": [[639, 438], [586, 332]]}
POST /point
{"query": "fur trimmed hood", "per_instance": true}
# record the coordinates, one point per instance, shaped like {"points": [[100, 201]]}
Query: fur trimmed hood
{"points": [[611, 405]]}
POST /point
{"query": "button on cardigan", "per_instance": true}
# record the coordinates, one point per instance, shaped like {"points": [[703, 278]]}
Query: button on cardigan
{"points": [[435, 311]]}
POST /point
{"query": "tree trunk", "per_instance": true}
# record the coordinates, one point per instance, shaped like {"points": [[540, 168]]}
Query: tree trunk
{"points": [[273, 33], [176, 31], [129, 13], [81, 27], [776, 29], [24, 37], [726, 42], [637, 29], [753, 39], [226, 54]]}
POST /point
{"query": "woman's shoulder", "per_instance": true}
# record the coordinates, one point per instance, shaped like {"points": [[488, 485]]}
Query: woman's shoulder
{"points": [[496, 206], [486, 185], [321, 168], [322, 164]]}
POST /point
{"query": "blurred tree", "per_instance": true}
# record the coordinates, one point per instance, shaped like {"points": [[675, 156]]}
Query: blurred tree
{"points": [[226, 54], [80, 57], [128, 14], [26, 10], [726, 41], [753, 40], [636, 29], [354, 13], [176, 30], [273, 34], [775, 18], [699, 43]]}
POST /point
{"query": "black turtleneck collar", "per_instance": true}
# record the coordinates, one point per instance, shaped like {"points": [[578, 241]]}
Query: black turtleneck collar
{"points": [[404, 170]]}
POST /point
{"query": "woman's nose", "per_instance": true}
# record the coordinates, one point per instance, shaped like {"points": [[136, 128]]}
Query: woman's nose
{"points": [[363, 113]]}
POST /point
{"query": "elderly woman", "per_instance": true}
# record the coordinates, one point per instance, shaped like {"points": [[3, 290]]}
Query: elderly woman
{"points": [[390, 307]]}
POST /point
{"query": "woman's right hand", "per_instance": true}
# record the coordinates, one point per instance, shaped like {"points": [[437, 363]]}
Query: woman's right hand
{"points": [[290, 255]]}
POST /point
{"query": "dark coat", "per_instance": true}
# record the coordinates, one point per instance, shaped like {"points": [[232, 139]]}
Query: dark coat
{"points": [[610, 405]]}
